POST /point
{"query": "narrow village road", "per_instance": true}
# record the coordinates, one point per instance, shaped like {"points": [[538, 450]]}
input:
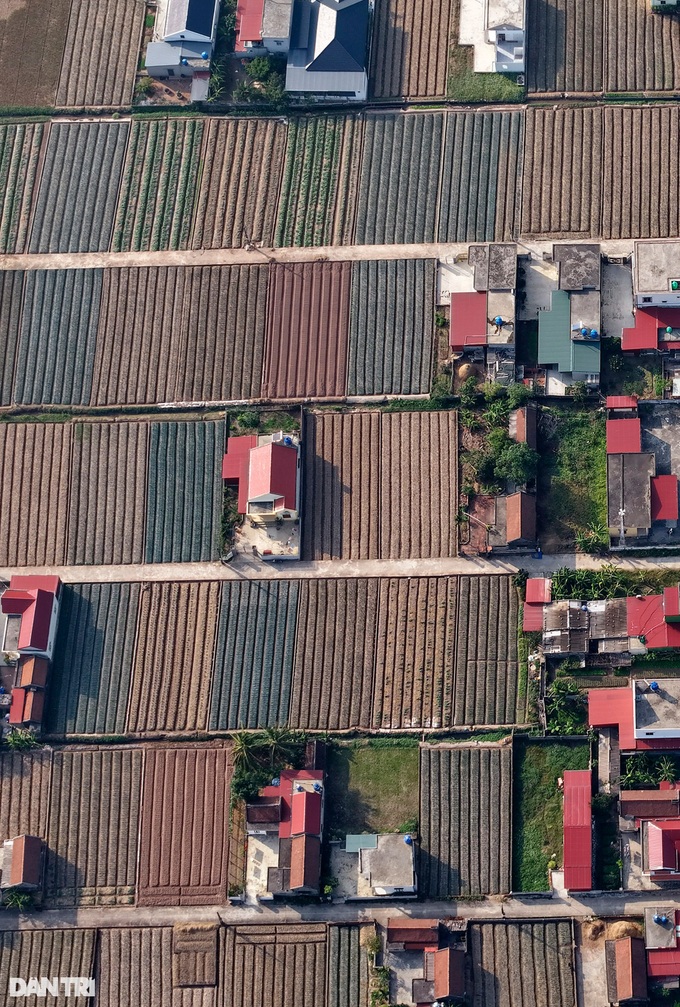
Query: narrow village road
{"points": [[245, 567], [613, 904]]}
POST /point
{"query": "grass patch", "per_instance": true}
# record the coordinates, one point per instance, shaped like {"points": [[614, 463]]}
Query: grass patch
{"points": [[255, 421], [537, 812], [607, 868], [467, 86], [629, 374], [572, 479], [371, 787]]}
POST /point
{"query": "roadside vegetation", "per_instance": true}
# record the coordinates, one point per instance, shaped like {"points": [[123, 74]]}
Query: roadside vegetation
{"points": [[572, 479], [537, 814], [372, 786], [609, 582]]}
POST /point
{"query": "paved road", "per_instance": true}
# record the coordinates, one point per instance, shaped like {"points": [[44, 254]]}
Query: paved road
{"points": [[615, 904], [246, 567]]}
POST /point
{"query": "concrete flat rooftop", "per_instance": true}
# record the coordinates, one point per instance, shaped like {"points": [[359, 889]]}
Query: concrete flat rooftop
{"points": [[658, 711], [656, 262]]}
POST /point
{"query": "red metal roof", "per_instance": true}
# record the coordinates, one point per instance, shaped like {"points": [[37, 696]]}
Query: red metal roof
{"points": [[532, 621], [663, 962], [624, 437], [449, 973], [648, 321], [622, 402], [305, 862], [248, 23], [25, 864], [647, 618], [664, 498], [538, 589], [32, 598], [235, 466], [273, 472], [663, 845], [578, 867], [284, 791], [520, 517], [306, 813], [613, 708], [468, 320]]}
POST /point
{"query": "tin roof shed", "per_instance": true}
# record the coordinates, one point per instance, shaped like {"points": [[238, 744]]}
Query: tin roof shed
{"points": [[578, 842]]}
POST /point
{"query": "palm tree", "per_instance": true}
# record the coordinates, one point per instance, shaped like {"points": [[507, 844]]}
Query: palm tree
{"points": [[244, 750]]}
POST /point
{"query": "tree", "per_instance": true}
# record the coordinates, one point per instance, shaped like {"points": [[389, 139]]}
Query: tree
{"points": [[145, 86], [245, 750], [259, 68], [518, 462]]}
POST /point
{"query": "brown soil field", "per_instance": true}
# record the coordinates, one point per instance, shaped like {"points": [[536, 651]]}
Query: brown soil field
{"points": [[521, 964], [47, 952], [32, 39], [34, 494], [281, 966], [24, 792], [643, 48], [11, 291], [101, 53], [307, 330], [565, 40], [185, 826], [239, 188], [171, 677], [410, 49], [359, 466]]}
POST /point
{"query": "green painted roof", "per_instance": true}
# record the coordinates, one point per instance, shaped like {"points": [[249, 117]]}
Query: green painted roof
{"points": [[554, 332], [361, 842], [555, 345]]}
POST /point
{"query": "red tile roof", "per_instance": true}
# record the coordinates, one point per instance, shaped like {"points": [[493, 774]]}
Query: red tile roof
{"points": [[273, 472], [468, 320], [305, 813], [664, 498], [526, 425], [27, 707], [16, 710], [305, 862], [645, 333], [449, 973], [538, 589], [26, 859], [404, 930], [577, 830], [631, 971], [520, 517], [622, 402], [624, 437], [248, 23], [34, 671]]}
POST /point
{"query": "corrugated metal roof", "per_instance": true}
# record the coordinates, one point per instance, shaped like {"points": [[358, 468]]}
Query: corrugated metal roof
{"points": [[577, 830], [273, 473], [554, 332], [644, 335], [468, 320], [306, 813], [532, 621], [663, 962], [520, 510], [663, 843], [647, 618], [613, 708], [664, 498], [624, 436], [248, 22], [538, 589], [621, 402]]}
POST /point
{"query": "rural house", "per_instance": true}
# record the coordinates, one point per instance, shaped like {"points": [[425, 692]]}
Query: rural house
{"points": [[626, 967], [578, 831], [183, 45], [21, 863], [497, 37]]}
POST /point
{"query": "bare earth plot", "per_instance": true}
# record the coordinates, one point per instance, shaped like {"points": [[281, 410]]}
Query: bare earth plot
{"points": [[253, 665], [169, 334], [90, 677], [521, 964], [480, 198], [465, 821], [185, 826], [400, 178], [101, 53], [47, 953], [76, 200], [11, 293], [410, 49], [380, 485], [307, 330], [159, 185], [279, 965], [562, 184], [108, 493], [643, 49], [134, 969], [34, 493], [239, 186], [24, 791], [19, 154], [319, 189], [93, 827], [171, 677], [565, 40], [31, 59], [59, 320], [391, 334]]}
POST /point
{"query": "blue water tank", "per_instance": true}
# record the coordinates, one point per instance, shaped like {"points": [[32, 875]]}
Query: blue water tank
{"points": [[498, 320], [593, 333], [288, 441], [584, 332], [408, 840], [654, 686], [204, 55]]}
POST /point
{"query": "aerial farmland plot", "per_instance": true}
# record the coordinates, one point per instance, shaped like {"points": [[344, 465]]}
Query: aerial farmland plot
{"points": [[30, 61], [643, 49], [92, 669], [319, 187], [410, 49], [239, 185], [19, 155], [96, 862], [59, 321], [101, 53], [398, 504], [46, 952], [76, 201], [11, 294], [391, 333], [307, 330], [158, 185], [24, 792], [180, 334], [521, 964], [183, 847], [465, 821], [255, 645], [400, 178], [481, 176], [565, 44]]}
